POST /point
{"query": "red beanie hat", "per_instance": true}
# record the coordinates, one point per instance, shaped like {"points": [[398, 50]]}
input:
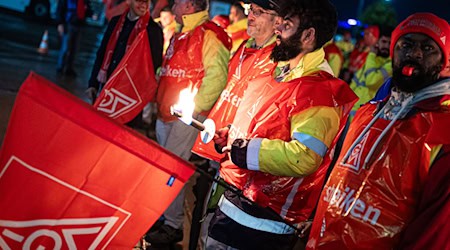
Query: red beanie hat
{"points": [[374, 30], [429, 24]]}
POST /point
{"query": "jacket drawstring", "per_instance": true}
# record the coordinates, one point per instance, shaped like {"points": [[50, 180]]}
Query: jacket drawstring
{"points": [[439, 89]]}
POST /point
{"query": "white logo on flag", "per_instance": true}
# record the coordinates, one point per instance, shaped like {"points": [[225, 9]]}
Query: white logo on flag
{"points": [[71, 228], [116, 103], [61, 232]]}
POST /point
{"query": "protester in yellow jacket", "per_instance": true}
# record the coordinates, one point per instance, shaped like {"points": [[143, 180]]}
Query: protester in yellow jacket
{"points": [[282, 133], [375, 71], [197, 57], [334, 57], [237, 29]]}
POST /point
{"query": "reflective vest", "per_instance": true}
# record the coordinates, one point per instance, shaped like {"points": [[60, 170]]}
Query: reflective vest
{"points": [[264, 113], [357, 59], [247, 64], [183, 66], [369, 207]]}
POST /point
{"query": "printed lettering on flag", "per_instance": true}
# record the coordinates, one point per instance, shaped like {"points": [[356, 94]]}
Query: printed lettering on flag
{"points": [[71, 178]]}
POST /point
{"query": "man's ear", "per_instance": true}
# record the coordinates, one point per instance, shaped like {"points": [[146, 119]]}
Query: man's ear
{"points": [[278, 21], [308, 38]]}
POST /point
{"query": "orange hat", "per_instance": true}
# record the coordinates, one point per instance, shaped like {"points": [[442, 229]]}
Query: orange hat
{"points": [[429, 24]]}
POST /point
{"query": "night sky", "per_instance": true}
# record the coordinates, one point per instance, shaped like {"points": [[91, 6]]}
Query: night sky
{"points": [[347, 8]]}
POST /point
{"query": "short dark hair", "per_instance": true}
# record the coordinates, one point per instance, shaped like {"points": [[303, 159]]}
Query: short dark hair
{"points": [[167, 8], [386, 30], [200, 5], [238, 5], [318, 14]]}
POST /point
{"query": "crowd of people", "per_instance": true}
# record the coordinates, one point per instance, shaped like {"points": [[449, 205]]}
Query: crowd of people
{"points": [[330, 145]]}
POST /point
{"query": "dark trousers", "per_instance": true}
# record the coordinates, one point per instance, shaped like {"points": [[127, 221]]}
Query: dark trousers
{"points": [[69, 45]]}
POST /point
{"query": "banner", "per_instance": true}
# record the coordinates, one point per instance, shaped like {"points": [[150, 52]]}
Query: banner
{"points": [[71, 178], [132, 84]]}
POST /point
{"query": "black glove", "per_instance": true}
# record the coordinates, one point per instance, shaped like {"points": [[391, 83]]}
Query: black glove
{"points": [[239, 152]]}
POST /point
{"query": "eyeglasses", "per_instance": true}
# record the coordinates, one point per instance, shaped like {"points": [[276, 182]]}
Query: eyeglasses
{"points": [[259, 12]]}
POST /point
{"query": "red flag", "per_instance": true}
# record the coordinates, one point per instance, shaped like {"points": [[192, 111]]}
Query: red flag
{"points": [[71, 178], [132, 84]]}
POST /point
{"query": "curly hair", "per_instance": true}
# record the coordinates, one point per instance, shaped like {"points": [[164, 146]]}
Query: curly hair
{"points": [[318, 14]]}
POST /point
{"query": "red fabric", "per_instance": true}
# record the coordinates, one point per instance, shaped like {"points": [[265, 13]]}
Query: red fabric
{"points": [[264, 113], [374, 30], [426, 23], [72, 179], [370, 207], [357, 59], [221, 20], [241, 34], [81, 9], [183, 66], [430, 228], [139, 26], [246, 64], [132, 84]]}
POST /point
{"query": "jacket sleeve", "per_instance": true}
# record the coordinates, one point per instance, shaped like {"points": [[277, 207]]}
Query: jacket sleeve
{"points": [[215, 58], [156, 38], [429, 227], [93, 82], [375, 72], [312, 132]]}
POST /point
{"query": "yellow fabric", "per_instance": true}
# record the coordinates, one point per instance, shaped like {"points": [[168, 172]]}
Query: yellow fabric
{"points": [[346, 47], [251, 41], [335, 62], [309, 64], [434, 152], [168, 31], [191, 21], [371, 76], [215, 58], [236, 27], [293, 158]]}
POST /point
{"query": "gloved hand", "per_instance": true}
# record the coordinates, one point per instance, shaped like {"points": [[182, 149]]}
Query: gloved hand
{"points": [[91, 93], [238, 152], [220, 139]]}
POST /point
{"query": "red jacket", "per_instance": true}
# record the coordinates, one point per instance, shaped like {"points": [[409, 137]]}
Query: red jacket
{"points": [[293, 197], [369, 206]]}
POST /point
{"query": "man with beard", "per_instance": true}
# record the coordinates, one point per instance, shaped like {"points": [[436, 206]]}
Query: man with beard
{"points": [[395, 156], [280, 139], [376, 70], [252, 60], [197, 59]]}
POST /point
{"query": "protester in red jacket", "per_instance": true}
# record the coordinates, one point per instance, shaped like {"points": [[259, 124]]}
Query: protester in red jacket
{"points": [[381, 183]]}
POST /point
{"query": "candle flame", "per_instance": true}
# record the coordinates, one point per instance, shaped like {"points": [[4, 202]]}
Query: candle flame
{"points": [[186, 104]]}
